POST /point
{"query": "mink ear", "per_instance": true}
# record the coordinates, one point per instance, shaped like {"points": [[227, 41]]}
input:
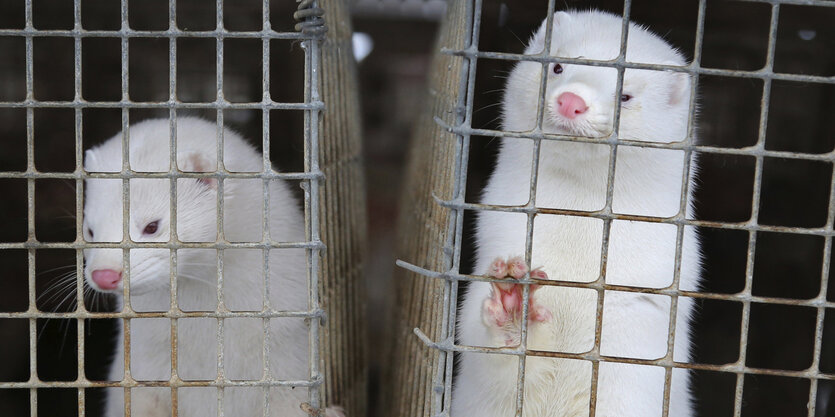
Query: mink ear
{"points": [[537, 42], [198, 162], [94, 161], [89, 156], [679, 87], [562, 17]]}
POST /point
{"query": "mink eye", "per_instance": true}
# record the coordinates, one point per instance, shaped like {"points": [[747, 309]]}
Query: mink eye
{"points": [[557, 69], [625, 97], [151, 228]]}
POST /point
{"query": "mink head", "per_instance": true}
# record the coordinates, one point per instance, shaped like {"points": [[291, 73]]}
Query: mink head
{"points": [[581, 99], [150, 204]]}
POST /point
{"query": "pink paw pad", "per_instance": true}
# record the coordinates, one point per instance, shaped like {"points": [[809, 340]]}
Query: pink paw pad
{"points": [[504, 307], [497, 269], [516, 267]]}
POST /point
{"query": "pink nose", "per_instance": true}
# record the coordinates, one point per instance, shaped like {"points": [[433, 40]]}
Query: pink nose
{"points": [[107, 279], [571, 105]]}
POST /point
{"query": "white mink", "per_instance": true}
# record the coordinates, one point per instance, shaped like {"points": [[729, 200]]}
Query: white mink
{"points": [[243, 272], [580, 100]]}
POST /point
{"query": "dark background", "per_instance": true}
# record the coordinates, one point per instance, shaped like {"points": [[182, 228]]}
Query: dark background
{"points": [[794, 193]]}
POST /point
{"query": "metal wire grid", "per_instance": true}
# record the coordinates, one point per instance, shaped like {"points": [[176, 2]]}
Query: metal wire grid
{"points": [[311, 30], [463, 130]]}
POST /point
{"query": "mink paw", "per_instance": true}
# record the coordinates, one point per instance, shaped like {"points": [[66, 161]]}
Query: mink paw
{"points": [[503, 310]]}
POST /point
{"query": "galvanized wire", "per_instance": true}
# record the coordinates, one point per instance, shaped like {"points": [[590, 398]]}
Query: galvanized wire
{"points": [[312, 106], [443, 338]]}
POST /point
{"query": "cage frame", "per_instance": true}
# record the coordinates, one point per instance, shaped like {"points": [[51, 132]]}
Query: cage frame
{"points": [[462, 129], [309, 35]]}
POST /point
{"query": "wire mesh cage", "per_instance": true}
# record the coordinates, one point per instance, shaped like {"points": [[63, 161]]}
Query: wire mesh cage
{"points": [[761, 335], [77, 72]]}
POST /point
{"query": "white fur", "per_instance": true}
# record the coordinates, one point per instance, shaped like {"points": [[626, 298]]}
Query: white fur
{"points": [[243, 275], [574, 176]]}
